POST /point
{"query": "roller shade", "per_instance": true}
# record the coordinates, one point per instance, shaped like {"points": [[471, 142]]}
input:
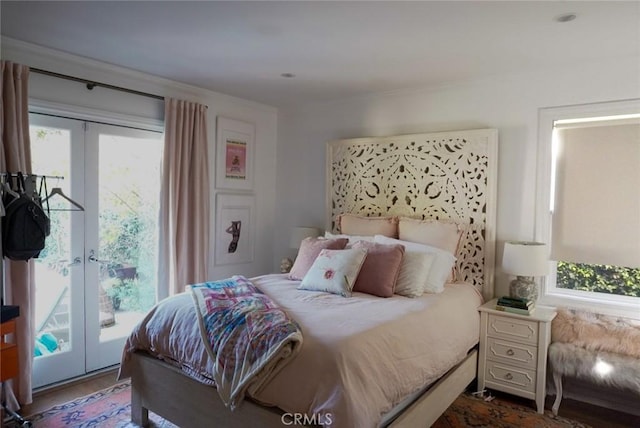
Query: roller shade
{"points": [[596, 205]]}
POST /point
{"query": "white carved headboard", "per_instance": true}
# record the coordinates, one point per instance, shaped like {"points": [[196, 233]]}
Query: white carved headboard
{"points": [[444, 175]]}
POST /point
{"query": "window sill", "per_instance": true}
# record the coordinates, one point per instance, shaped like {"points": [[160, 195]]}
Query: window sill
{"points": [[594, 302]]}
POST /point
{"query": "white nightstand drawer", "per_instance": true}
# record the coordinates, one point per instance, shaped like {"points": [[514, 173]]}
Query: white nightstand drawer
{"points": [[512, 352], [511, 328], [514, 377]]}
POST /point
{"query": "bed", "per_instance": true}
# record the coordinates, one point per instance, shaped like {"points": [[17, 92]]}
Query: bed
{"points": [[446, 176]]}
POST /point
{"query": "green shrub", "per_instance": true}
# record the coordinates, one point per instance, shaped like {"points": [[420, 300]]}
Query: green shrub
{"points": [[132, 295], [599, 278]]}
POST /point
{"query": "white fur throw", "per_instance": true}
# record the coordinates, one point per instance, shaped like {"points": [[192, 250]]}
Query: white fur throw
{"points": [[596, 332], [604, 368]]}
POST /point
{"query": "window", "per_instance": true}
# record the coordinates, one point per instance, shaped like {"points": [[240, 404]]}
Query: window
{"points": [[589, 205]]}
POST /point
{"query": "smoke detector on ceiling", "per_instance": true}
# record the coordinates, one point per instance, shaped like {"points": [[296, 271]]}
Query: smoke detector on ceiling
{"points": [[566, 17]]}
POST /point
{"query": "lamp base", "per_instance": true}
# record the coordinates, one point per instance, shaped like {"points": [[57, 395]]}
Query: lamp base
{"points": [[524, 287], [285, 265]]}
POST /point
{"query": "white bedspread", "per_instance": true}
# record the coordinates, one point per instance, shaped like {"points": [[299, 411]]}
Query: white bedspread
{"points": [[361, 355]]}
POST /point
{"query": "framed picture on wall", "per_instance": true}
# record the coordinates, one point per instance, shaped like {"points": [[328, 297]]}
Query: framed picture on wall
{"points": [[234, 154], [235, 216]]}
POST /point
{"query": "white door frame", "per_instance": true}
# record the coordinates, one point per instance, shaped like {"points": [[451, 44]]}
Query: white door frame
{"points": [[61, 366]]}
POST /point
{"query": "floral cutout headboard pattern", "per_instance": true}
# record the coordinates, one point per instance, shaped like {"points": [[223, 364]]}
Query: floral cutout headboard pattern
{"points": [[444, 175]]}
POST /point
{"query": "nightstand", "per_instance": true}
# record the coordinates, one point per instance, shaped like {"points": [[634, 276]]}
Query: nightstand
{"points": [[513, 351]]}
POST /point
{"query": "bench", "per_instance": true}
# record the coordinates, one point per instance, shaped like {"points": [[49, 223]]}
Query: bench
{"points": [[598, 348]]}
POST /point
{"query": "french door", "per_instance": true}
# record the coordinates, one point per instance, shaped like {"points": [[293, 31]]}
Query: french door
{"points": [[96, 277]]}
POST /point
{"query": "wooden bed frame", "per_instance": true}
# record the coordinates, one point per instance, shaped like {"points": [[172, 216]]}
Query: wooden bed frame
{"points": [[168, 392], [448, 175]]}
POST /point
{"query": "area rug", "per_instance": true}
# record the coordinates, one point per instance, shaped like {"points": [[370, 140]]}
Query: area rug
{"points": [[471, 411], [111, 408]]}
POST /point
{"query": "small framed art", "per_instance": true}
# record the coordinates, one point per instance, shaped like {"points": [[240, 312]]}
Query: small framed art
{"points": [[234, 229], [234, 154]]}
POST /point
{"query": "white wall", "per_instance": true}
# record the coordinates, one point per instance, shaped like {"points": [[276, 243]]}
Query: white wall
{"points": [[509, 103], [264, 118]]}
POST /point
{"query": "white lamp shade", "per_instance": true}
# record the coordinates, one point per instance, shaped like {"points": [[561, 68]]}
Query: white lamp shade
{"points": [[525, 258], [298, 234]]}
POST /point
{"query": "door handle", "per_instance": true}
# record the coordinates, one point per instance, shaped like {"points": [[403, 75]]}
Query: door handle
{"points": [[92, 257], [76, 261]]}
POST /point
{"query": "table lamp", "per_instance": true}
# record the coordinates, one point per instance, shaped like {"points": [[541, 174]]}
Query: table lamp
{"points": [[525, 260]]}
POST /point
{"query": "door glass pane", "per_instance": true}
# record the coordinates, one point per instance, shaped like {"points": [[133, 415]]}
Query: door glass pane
{"points": [[128, 198], [51, 155]]}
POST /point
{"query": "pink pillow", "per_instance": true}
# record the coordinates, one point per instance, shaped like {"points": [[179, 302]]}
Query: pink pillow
{"points": [[380, 270], [351, 224], [443, 234], [309, 250]]}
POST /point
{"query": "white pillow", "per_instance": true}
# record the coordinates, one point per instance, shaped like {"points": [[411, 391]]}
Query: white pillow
{"points": [[440, 269], [334, 271], [414, 273], [352, 238]]}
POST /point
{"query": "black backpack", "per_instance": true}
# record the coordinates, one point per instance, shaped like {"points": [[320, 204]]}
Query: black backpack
{"points": [[24, 227]]}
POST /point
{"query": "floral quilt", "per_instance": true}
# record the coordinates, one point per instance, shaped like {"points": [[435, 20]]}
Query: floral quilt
{"points": [[247, 336]]}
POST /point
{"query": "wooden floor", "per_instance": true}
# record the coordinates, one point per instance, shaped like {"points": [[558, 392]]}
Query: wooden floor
{"points": [[61, 394], [597, 417], [591, 415]]}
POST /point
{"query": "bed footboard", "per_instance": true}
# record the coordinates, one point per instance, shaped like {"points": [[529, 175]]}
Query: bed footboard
{"points": [[168, 392], [428, 408]]}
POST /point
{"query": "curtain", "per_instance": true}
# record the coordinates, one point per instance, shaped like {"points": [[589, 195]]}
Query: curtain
{"points": [[15, 155], [184, 203]]}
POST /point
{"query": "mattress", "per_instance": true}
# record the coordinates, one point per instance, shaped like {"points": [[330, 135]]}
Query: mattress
{"points": [[360, 356]]}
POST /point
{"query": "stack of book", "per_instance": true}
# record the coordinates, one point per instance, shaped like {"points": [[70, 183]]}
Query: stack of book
{"points": [[515, 305]]}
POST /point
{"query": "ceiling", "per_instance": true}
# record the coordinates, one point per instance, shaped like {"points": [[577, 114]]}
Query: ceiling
{"points": [[335, 49]]}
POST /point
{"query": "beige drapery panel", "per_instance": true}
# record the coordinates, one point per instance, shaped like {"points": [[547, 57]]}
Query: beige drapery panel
{"points": [[184, 201], [15, 155]]}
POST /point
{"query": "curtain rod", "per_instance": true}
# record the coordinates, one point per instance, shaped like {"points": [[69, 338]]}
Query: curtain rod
{"points": [[91, 84], [15, 174]]}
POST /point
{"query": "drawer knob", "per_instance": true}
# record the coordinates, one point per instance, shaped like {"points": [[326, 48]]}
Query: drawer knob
{"points": [[510, 352], [508, 376]]}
